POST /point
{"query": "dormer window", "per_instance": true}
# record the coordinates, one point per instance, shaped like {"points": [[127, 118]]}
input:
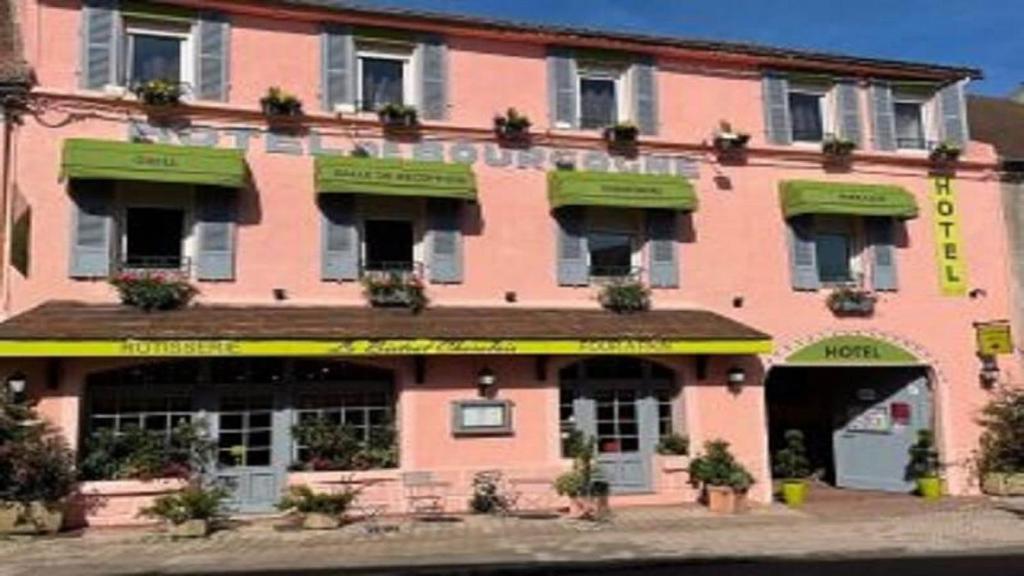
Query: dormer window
{"points": [[910, 124]]}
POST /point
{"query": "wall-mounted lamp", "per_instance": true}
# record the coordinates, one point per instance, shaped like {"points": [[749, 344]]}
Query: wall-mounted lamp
{"points": [[486, 380], [735, 378], [16, 385], [989, 374]]}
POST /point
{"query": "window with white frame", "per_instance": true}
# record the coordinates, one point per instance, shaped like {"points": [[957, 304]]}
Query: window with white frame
{"points": [[838, 245], [909, 112], [613, 243], [158, 51], [392, 235], [385, 75], [155, 225], [602, 96], [808, 113]]}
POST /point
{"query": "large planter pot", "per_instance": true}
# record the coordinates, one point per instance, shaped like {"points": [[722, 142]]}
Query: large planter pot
{"points": [[929, 488], [320, 521], [1003, 484], [589, 507], [794, 492], [725, 500], [191, 529], [32, 518]]}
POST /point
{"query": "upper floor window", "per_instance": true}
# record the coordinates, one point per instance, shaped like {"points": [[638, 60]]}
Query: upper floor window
{"points": [[158, 53], [808, 113], [837, 244], [910, 124], [154, 238], [594, 90], [611, 254], [384, 76], [389, 245], [600, 90]]}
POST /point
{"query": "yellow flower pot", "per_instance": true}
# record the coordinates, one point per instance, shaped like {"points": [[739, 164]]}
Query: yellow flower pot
{"points": [[794, 492], [929, 488]]}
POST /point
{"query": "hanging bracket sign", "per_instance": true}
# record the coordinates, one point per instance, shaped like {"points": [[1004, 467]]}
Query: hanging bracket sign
{"points": [[993, 338]]}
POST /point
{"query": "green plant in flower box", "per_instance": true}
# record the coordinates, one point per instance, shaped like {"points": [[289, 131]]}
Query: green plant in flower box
{"points": [[398, 116], [625, 296], [305, 500], [194, 502], [837, 147], [395, 289], [622, 133], [513, 126], [159, 92], [153, 290], [945, 152], [277, 102]]}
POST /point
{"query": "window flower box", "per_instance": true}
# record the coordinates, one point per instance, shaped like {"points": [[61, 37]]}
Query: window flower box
{"points": [[945, 153], [395, 289], [398, 117], [513, 127], [729, 142], [625, 296], [153, 291], [836, 147], [622, 134], [847, 301], [280, 104], [159, 93]]}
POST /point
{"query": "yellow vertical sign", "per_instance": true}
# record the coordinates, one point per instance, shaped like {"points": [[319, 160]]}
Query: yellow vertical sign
{"points": [[948, 241]]}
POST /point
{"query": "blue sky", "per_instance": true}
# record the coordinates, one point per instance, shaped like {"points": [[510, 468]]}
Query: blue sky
{"points": [[986, 34]]}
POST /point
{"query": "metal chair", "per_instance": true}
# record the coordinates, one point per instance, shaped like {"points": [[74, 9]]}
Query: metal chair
{"points": [[425, 496]]}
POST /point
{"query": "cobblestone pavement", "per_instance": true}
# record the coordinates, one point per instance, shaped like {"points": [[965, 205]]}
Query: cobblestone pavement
{"points": [[886, 527]]}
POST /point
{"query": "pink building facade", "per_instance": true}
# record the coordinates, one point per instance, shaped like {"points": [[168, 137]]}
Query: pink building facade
{"points": [[792, 285]]}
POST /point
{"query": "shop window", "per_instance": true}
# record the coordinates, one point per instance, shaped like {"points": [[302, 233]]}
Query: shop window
{"points": [[910, 132], [807, 114], [155, 410], [388, 245], [666, 424], [368, 414], [154, 238], [385, 76], [158, 52], [567, 418], [245, 430], [246, 370]]}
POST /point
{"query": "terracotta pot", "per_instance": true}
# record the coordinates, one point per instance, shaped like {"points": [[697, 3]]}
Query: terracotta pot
{"points": [[725, 500], [320, 521], [191, 529], [32, 518], [1003, 484]]}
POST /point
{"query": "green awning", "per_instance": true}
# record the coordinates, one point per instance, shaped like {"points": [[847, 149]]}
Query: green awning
{"points": [[394, 177], [809, 197], [109, 160], [622, 190]]}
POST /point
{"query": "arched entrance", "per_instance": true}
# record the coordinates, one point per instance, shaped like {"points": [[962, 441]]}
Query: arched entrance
{"points": [[626, 405], [860, 401], [249, 406]]}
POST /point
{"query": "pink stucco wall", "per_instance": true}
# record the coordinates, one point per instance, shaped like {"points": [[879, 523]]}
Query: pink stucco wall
{"points": [[738, 248]]}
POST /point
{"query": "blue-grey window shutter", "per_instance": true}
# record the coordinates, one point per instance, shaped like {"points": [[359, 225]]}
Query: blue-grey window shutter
{"points": [[445, 247], [883, 116], [803, 257], [881, 236], [848, 104], [92, 228], [775, 89], [645, 95], [562, 83], [953, 122], [339, 238], [215, 215], [212, 57], [100, 41], [662, 254], [433, 78], [572, 247], [337, 67]]}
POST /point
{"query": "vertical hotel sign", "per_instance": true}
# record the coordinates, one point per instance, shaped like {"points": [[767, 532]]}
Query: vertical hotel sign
{"points": [[949, 242]]}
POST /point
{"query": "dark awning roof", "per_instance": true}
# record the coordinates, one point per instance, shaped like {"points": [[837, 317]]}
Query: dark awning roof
{"points": [[811, 197], [77, 329], [112, 160], [394, 177]]}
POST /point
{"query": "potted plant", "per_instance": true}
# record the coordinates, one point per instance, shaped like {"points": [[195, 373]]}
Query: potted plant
{"points": [[625, 296], [513, 127], [395, 289], [146, 455], [728, 141], [622, 134], [924, 466], [585, 485], [37, 471], [673, 445], [153, 290], [850, 301], [945, 153], [793, 466], [159, 93], [319, 510], [488, 496], [1000, 458], [191, 511], [398, 116], [332, 446], [723, 481], [278, 103], [836, 147]]}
